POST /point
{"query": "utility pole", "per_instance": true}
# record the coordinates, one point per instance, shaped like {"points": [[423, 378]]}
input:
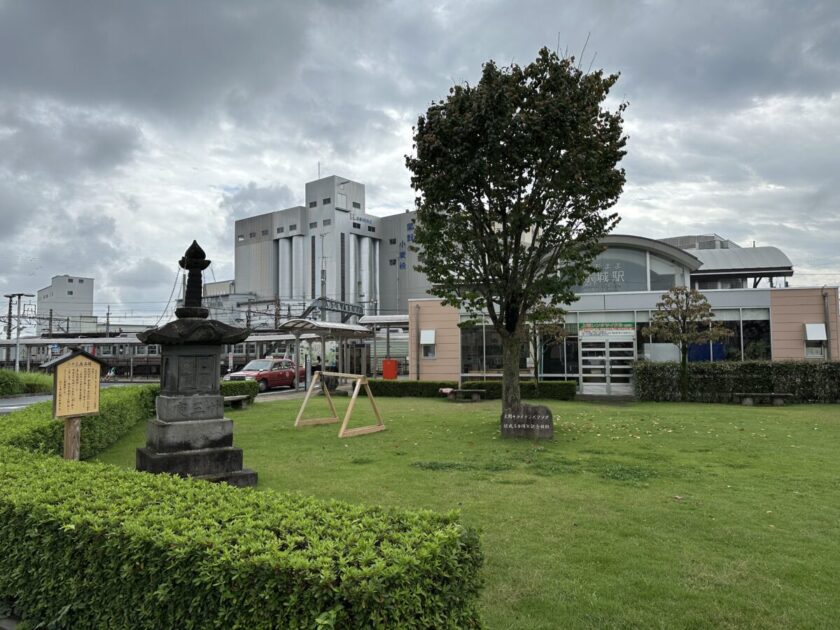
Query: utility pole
{"points": [[9, 326], [49, 329], [248, 326], [17, 328], [108, 322], [276, 312]]}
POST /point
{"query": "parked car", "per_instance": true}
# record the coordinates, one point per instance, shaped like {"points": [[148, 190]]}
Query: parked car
{"points": [[269, 373]]}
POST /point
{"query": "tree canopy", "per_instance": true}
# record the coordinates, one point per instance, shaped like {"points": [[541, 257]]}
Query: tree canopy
{"points": [[684, 317], [515, 177]]}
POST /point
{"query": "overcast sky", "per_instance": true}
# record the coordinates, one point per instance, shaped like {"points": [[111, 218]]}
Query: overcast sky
{"points": [[127, 129]]}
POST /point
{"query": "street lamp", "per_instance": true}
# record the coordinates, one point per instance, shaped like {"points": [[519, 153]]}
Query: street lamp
{"points": [[17, 328]]}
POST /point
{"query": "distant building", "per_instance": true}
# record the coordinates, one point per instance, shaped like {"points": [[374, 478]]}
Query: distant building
{"points": [[68, 303], [327, 255]]}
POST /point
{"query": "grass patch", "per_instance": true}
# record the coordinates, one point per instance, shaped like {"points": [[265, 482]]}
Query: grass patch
{"points": [[652, 515]]}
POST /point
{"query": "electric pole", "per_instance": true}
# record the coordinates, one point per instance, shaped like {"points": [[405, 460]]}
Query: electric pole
{"points": [[49, 329], [9, 327], [17, 328], [108, 322]]}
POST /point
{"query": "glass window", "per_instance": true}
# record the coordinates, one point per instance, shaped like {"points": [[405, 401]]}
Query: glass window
{"points": [[664, 274], [313, 225], [357, 205], [81, 280], [756, 338], [814, 350], [618, 269], [327, 222], [265, 232], [392, 241], [494, 352], [292, 227], [327, 201], [358, 226], [240, 238], [252, 235], [280, 230], [312, 204], [429, 351], [392, 262], [69, 293], [553, 358], [371, 228], [472, 352]]}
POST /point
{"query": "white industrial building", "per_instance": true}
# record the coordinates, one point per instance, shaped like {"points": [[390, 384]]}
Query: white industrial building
{"points": [[66, 305], [327, 258]]}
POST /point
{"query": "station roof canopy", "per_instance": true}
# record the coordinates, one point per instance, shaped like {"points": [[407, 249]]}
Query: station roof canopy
{"points": [[384, 320], [743, 261], [321, 329]]}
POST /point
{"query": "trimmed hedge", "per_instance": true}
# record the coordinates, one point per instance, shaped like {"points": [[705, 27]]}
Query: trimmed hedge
{"points": [[807, 381], [88, 545], [240, 388], [120, 408], [93, 546], [553, 390], [402, 389], [12, 383]]}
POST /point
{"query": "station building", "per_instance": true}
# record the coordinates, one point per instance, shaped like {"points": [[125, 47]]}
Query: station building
{"points": [[605, 325], [330, 259]]}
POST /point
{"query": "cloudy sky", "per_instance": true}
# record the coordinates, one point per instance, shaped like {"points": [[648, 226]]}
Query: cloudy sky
{"points": [[129, 128]]}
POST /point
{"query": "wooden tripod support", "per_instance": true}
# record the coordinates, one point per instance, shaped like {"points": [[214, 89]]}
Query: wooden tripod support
{"points": [[344, 432]]}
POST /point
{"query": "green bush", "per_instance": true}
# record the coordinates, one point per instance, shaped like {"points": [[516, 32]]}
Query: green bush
{"points": [[807, 381], [120, 408], [240, 388], [92, 546], [553, 390], [10, 383], [36, 382], [402, 389]]}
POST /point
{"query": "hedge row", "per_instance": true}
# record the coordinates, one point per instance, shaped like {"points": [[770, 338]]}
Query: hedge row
{"points": [[120, 408], [421, 389], [554, 390], [93, 546], [807, 381], [12, 383], [239, 388]]}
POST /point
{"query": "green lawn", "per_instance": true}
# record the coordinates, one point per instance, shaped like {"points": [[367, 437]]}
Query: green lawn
{"points": [[644, 515]]}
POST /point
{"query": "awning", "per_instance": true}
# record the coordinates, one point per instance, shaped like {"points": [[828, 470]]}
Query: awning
{"points": [[815, 332]]}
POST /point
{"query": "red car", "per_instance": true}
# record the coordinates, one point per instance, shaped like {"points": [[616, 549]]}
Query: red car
{"points": [[269, 373]]}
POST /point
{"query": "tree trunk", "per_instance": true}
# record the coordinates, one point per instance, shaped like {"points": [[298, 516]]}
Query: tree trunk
{"points": [[511, 345], [684, 373]]}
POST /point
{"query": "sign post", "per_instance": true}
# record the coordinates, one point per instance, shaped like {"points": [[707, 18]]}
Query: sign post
{"points": [[75, 394]]}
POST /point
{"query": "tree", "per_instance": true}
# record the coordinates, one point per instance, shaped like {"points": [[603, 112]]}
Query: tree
{"points": [[514, 177], [684, 317], [546, 325]]}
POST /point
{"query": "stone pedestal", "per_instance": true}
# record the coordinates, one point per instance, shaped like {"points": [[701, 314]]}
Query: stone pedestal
{"points": [[190, 435]]}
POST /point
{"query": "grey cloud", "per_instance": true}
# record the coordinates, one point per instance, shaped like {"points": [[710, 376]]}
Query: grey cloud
{"points": [[252, 199], [143, 274], [175, 58], [59, 144]]}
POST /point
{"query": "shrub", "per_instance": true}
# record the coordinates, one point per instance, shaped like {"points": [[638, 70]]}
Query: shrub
{"points": [[10, 383], [93, 546], [240, 388], [554, 390], [807, 381], [120, 408], [402, 389], [36, 382]]}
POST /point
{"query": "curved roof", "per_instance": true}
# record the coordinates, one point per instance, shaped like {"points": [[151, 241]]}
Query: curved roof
{"points": [[669, 252], [744, 260]]}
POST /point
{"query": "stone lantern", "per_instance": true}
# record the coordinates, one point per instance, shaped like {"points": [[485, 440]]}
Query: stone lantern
{"points": [[190, 435]]}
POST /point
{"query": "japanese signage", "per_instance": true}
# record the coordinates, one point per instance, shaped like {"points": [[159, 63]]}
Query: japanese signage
{"points": [[607, 329], [76, 390]]}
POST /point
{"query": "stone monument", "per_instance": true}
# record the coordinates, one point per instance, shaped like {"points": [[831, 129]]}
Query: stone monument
{"points": [[528, 421], [190, 435]]}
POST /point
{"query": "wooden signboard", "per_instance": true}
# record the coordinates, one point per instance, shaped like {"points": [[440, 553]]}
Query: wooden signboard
{"points": [[75, 394]]}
